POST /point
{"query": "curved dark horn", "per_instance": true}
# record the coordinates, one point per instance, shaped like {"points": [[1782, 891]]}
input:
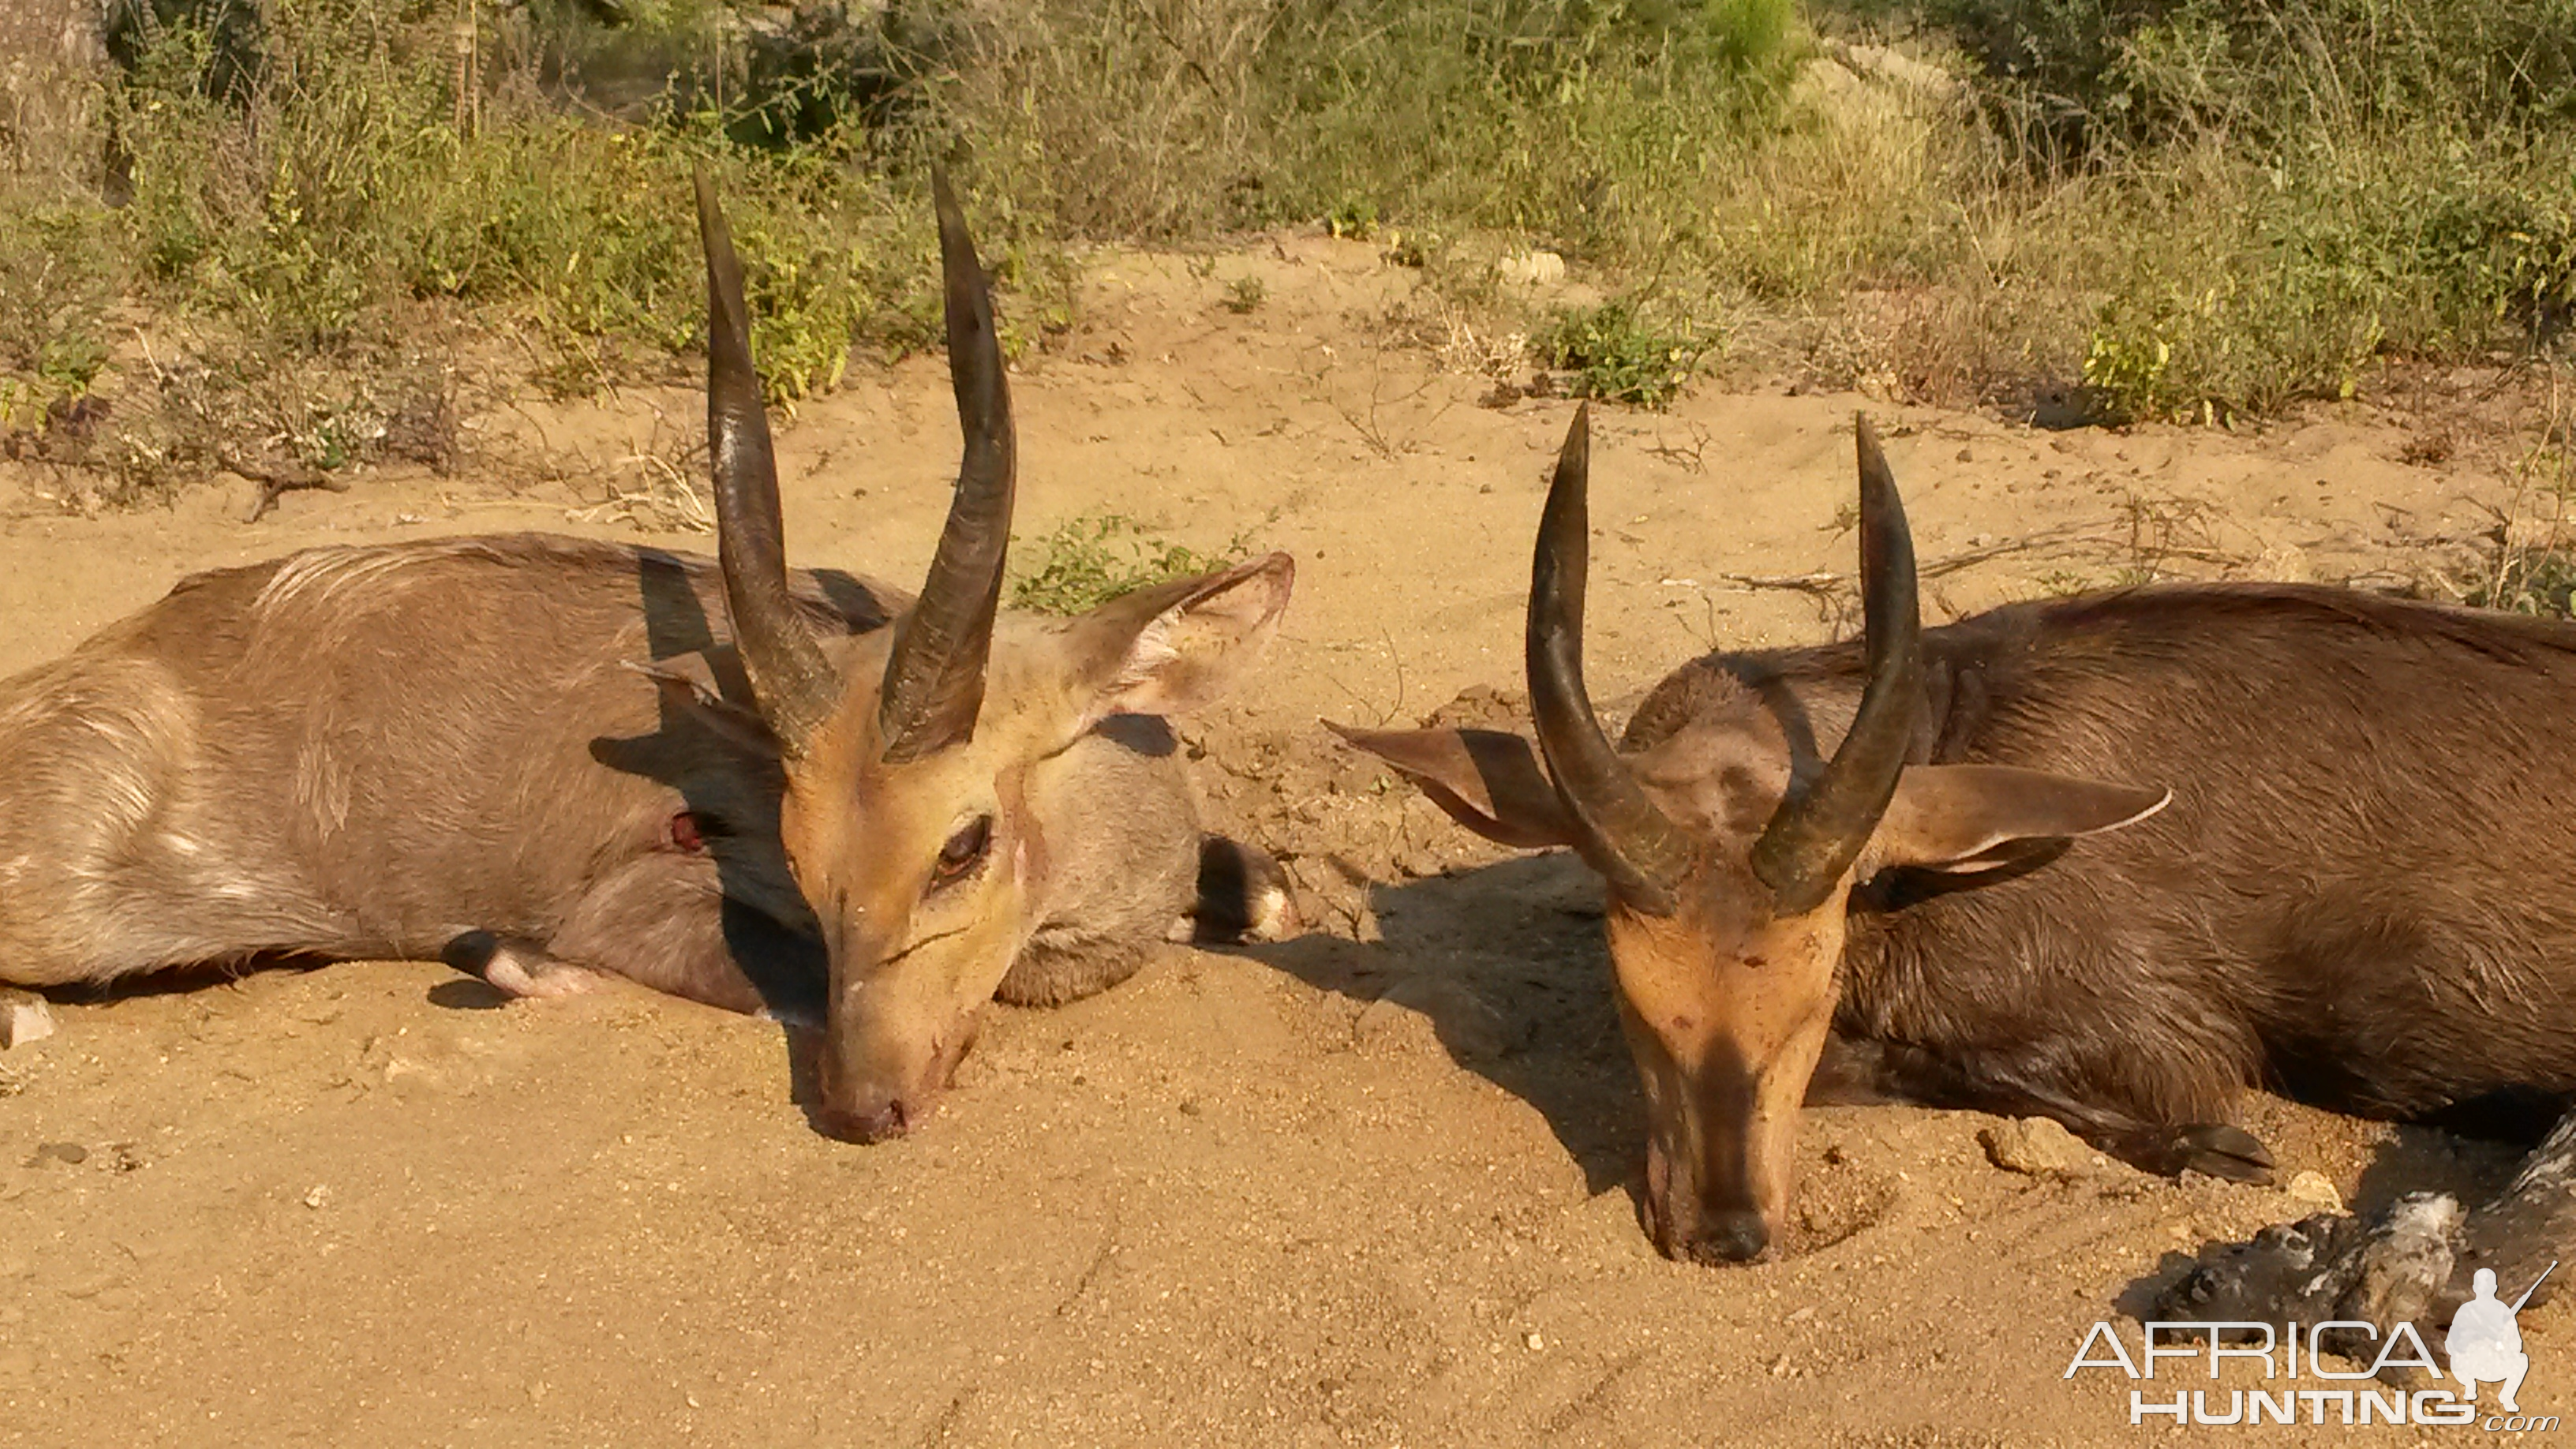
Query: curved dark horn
{"points": [[1624, 836], [1817, 833], [793, 683], [934, 682]]}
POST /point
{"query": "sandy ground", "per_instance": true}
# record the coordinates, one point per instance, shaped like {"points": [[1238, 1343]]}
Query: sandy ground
{"points": [[1374, 1186]]}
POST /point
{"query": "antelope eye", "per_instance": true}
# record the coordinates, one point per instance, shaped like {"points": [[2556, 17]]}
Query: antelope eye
{"points": [[964, 851]]}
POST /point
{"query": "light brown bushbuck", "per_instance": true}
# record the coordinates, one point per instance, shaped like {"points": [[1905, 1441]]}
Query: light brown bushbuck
{"points": [[1945, 862], [542, 757]]}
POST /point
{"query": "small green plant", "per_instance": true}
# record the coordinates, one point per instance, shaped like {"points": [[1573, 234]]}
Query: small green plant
{"points": [[1411, 247], [1618, 354], [2540, 581], [2126, 368], [1353, 217], [2533, 570], [71, 360], [2284, 325], [1243, 295], [58, 275], [1088, 560]]}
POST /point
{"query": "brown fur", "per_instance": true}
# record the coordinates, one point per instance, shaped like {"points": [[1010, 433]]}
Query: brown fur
{"points": [[2359, 894], [450, 747]]}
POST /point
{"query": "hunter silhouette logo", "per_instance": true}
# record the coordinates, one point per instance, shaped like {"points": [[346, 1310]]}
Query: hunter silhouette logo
{"points": [[2485, 1345], [2302, 1382]]}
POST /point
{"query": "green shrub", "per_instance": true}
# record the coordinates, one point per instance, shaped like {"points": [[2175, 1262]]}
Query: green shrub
{"points": [[1089, 560], [2528, 581], [1564, 118], [2209, 209], [1617, 353], [58, 278], [2096, 76], [343, 188]]}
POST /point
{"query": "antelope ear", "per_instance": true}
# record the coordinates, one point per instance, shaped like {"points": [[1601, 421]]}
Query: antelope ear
{"points": [[1486, 780], [1177, 646], [1970, 818]]}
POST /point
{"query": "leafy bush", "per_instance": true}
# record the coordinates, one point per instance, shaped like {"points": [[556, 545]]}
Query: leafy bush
{"points": [[344, 179], [1089, 560], [2092, 77], [1553, 116], [1616, 353], [2208, 209]]}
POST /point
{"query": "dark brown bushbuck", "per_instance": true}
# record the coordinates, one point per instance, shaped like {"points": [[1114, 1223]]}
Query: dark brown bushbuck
{"points": [[1952, 855], [543, 757]]}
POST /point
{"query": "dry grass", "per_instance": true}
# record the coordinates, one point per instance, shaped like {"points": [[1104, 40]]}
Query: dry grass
{"points": [[2532, 569], [2092, 206]]}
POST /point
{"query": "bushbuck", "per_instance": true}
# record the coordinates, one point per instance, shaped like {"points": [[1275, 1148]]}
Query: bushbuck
{"points": [[541, 757], [2108, 859]]}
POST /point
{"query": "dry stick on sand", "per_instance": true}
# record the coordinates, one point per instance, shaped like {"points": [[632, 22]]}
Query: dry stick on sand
{"points": [[1825, 583], [276, 483], [2065, 535], [1837, 595]]}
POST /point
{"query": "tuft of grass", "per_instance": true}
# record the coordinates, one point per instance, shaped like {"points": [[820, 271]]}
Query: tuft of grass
{"points": [[2533, 569], [305, 191], [2276, 197], [2201, 211], [1617, 353], [349, 183], [58, 282], [1353, 217], [2255, 290], [1560, 117], [1088, 560], [1244, 295]]}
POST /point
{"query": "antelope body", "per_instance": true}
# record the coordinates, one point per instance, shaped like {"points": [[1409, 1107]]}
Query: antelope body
{"points": [[2109, 859], [538, 756]]}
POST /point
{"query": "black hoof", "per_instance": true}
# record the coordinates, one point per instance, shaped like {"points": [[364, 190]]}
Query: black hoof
{"points": [[2214, 1148], [1244, 896], [472, 953], [2221, 1149]]}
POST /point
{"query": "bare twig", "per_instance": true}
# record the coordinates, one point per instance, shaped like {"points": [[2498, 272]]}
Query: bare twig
{"points": [[1397, 656], [2062, 537], [1689, 457], [1834, 591], [1371, 430], [668, 500], [1823, 583], [275, 483], [1163, 32]]}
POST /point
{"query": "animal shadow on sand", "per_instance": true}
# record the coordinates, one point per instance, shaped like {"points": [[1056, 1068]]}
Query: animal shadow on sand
{"points": [[1507, 962]]}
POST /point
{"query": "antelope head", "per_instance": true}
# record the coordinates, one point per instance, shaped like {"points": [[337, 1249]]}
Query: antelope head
{"points": [[919, 758], [1730, 848]]}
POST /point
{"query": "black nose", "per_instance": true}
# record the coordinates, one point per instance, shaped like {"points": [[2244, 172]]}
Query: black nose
{"points": [[1733, 1237], [864, 1125]]}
